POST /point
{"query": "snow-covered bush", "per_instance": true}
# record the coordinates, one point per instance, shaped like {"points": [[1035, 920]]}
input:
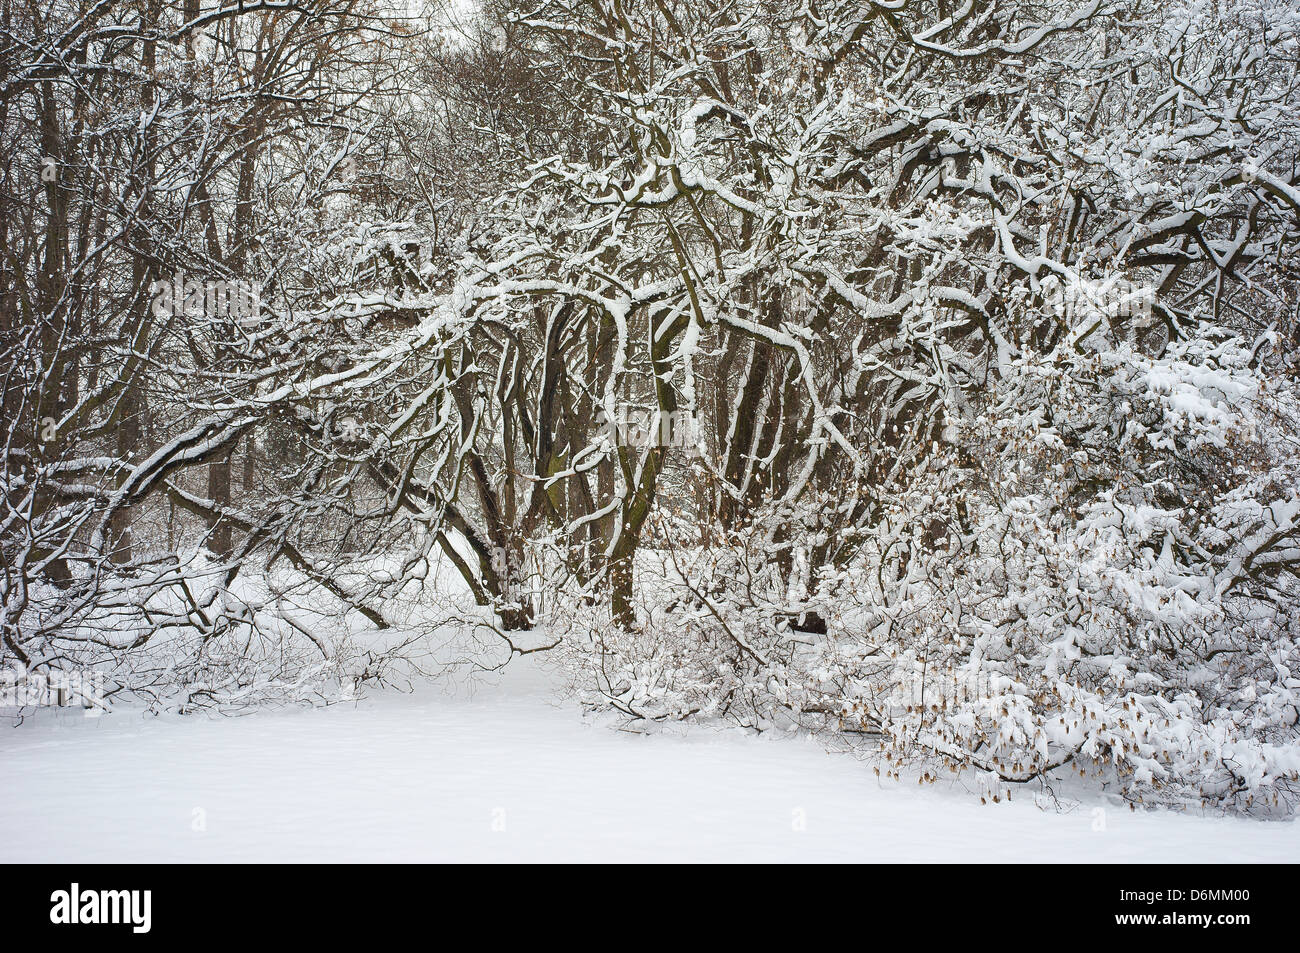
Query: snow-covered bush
{"points": [[1094, 575], [1116, 582]]}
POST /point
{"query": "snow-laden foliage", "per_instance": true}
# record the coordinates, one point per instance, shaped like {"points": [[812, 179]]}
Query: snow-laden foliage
{"points": [[1103, 587], [1003, 473]]}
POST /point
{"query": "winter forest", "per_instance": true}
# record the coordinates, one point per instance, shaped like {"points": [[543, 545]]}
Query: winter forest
{"points": [[920, 378]]}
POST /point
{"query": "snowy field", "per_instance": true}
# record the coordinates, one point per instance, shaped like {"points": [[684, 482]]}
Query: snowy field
{"points": [[507, 774]]}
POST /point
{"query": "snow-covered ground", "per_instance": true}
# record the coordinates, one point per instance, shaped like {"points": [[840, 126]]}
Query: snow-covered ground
{"points": [[507, 774]]}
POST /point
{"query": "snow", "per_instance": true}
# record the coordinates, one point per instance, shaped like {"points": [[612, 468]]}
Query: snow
{"points": [[507, 773]]}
